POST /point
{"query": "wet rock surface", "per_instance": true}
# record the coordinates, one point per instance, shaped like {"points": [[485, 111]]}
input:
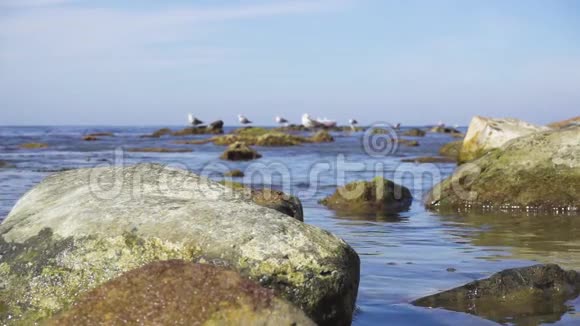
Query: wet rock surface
{"points": [[451, 149], [539, 172], [373, 197], [415, 132], [79, 229], [527, 296], [176, 292]]}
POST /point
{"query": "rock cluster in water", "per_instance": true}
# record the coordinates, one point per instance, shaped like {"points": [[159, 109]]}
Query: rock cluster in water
{"points": [[78, 229]]}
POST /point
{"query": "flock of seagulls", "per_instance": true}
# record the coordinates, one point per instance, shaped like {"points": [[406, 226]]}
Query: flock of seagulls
{"points": [[307, 121]]}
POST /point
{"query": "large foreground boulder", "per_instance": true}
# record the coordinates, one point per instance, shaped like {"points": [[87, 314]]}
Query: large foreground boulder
{"points": [[176, 292], [538, 172], [81, 228], [485, 134], [521, 295], [373, 197]]}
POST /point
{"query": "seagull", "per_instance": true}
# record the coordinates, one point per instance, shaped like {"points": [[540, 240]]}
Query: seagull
{"points": [[308, 122], [353, 124], [398, 126], [326, 122], [243, 120], [194, 121], [281, 120]]}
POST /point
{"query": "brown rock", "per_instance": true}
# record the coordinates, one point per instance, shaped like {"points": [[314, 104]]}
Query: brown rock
{"points": [[322, 136], [176, 292], [33, 145]]}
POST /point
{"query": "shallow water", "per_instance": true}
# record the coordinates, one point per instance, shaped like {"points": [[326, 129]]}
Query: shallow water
{"points": [[404, 256]]}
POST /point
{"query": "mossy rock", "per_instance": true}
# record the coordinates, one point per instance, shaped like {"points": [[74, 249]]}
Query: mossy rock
{"points": [[239, 151], [251, 131], [255, 137], [322, 136], [158, 150], [415, 132], [200, 130], [446, 130], [234, 173], [451, 149], [369, 197], [176, 292], [79, 229], [528, 296], [538, 172], [33, 145]]}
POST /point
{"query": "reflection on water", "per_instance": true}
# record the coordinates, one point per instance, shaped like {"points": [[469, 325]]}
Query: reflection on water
{"points": [[546, 239]]}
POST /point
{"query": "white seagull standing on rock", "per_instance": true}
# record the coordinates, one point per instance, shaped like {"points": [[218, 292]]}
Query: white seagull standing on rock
{"points": [[308, 122], [281, 120], [353, 124], [243, 120], [193, 120]]}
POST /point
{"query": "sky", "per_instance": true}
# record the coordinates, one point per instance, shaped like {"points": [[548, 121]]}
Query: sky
{"points": [[150, 62]]}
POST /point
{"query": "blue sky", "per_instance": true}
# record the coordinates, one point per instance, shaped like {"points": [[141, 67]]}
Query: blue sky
{"points": [[415, 62]]}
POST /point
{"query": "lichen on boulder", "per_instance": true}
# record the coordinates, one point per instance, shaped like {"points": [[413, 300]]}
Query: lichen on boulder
{"points": [[369, 198], [239, 151], [451, 149], [485, 134], [538, 172], [81, 228], [176, 292]]}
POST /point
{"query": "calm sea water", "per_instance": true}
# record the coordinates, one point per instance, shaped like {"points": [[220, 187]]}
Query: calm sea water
{"points": [[404, 256]]}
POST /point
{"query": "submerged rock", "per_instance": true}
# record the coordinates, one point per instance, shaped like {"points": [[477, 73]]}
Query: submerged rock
{"points": [[322, 136], [234, 173], [451, 149], [101, 134], [415, 132], [176, 292], [90, 138], [5, 165], [407, 142], [33, 145], [78, 229], [528, 295], [159, 133], [485, 134], [429, 159], [538, 172], [158, 150], [369, 197], [239, 151], [446, 130], [565, 123]]}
